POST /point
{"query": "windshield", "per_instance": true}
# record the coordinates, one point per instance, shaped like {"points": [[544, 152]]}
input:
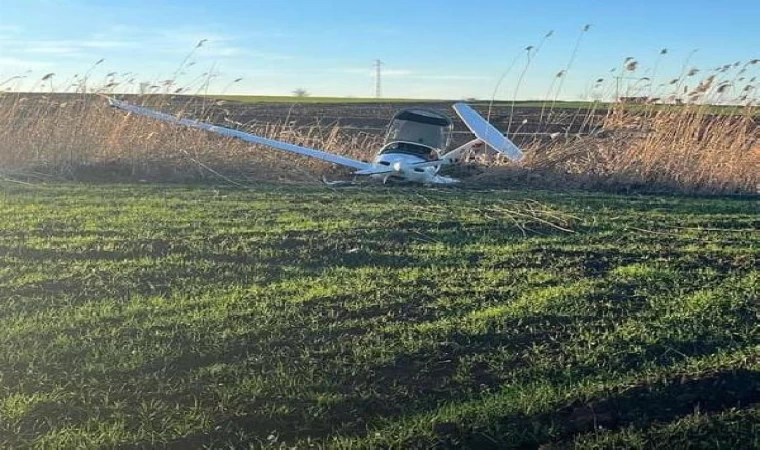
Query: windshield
{"points": [[420, 126], [407, 148]]}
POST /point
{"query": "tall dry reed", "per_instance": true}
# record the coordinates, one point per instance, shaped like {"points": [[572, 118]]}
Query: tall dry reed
{"points": [[693, 147]]}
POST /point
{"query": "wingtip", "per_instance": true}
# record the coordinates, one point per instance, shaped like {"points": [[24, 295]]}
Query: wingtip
{"points": [[111, 101], [515, 153], [108, 99]]}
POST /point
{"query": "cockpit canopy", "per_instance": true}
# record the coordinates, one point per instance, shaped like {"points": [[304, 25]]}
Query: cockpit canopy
{"points": [[420, 126]]}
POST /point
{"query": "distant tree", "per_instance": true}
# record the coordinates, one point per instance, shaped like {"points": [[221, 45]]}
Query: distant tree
{"points": [[300, 92]]}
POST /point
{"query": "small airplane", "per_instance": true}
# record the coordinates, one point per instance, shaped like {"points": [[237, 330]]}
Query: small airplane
{"points": [[413, 151]]}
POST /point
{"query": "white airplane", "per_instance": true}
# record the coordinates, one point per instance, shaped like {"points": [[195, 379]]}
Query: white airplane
{"points": [[414, 145]]}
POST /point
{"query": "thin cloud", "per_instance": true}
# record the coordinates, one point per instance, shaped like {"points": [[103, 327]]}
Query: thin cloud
{"points": [[121, 29], [11, 29], [370, 71], [190, 37], [350, 70], [211, 51], [66, 47], [408, 74], [223, 52], [162, 42], [397, 73], [268, 55], [107, 44], [451, 77], [56, 50], [12, 63]]}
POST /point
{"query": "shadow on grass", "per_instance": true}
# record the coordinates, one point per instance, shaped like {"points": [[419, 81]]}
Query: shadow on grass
{"points": [[638, 407], [415, 382], [421, 381]]}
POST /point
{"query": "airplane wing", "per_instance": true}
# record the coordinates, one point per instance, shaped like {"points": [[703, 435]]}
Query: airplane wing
{"points": [[487, 133], [319, 154]]}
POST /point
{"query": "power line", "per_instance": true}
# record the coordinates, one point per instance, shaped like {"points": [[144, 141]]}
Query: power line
{"points": [[378, 78]]}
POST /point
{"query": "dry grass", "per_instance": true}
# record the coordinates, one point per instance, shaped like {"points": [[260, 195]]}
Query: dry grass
{"points": [[686, 148], [83, 137]]}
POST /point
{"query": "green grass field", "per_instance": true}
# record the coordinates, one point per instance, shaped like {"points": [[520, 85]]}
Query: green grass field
{"points": [[144, 315]]}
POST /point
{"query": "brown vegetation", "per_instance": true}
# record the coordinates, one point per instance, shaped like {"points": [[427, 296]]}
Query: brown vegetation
{"points": [[684, 148]]}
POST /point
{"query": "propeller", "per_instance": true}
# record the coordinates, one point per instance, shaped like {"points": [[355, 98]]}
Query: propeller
{"points": [[398, 167]]}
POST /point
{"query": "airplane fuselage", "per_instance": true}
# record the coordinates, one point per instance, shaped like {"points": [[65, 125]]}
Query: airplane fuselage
{"points": [[402, 166]]}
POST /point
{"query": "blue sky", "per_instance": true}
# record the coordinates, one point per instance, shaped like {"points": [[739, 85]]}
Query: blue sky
{"points": [[431, 49]]}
